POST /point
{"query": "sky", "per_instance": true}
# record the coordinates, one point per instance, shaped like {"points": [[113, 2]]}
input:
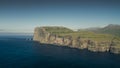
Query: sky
{"points": [[25, 15]]}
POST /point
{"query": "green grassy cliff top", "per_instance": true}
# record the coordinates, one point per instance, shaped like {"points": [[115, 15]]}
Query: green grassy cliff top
{"points": [[63, 31]]}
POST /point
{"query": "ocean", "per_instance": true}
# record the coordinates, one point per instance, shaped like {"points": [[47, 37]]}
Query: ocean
{"points": [[17, 52]]}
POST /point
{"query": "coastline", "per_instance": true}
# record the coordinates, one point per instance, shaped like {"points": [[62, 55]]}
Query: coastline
{"points": [[41, 35]]}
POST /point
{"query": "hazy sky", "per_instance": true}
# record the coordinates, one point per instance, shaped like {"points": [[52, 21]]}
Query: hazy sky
{"points": [[25, 15]]}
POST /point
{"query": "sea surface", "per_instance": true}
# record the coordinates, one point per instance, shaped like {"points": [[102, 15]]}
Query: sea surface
{"points": [[17, 52]]}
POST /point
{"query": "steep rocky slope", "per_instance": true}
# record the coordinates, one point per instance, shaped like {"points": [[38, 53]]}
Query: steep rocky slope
{"points": [[82, 40]]}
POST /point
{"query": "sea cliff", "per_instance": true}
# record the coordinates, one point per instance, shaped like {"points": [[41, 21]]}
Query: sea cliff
{"points": [[62, 36]]}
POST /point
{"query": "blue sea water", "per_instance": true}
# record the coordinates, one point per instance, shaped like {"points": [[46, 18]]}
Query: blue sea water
{"points": [[17, 52]]}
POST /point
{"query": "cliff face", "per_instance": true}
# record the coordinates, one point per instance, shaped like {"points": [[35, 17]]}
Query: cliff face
{"points": [[43, 36]]}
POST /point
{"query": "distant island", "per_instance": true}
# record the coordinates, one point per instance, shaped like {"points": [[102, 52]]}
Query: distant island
{"points": [[106, 39]]}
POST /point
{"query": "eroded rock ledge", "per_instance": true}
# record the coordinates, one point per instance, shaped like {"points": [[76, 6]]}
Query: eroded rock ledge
{"points": [[43, 36]]}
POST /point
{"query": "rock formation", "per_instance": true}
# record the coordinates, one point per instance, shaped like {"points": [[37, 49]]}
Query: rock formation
{"points": [[43, 36]]}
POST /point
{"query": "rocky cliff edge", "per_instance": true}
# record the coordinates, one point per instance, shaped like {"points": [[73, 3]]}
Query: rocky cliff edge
{"points": [[82, 40]]}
